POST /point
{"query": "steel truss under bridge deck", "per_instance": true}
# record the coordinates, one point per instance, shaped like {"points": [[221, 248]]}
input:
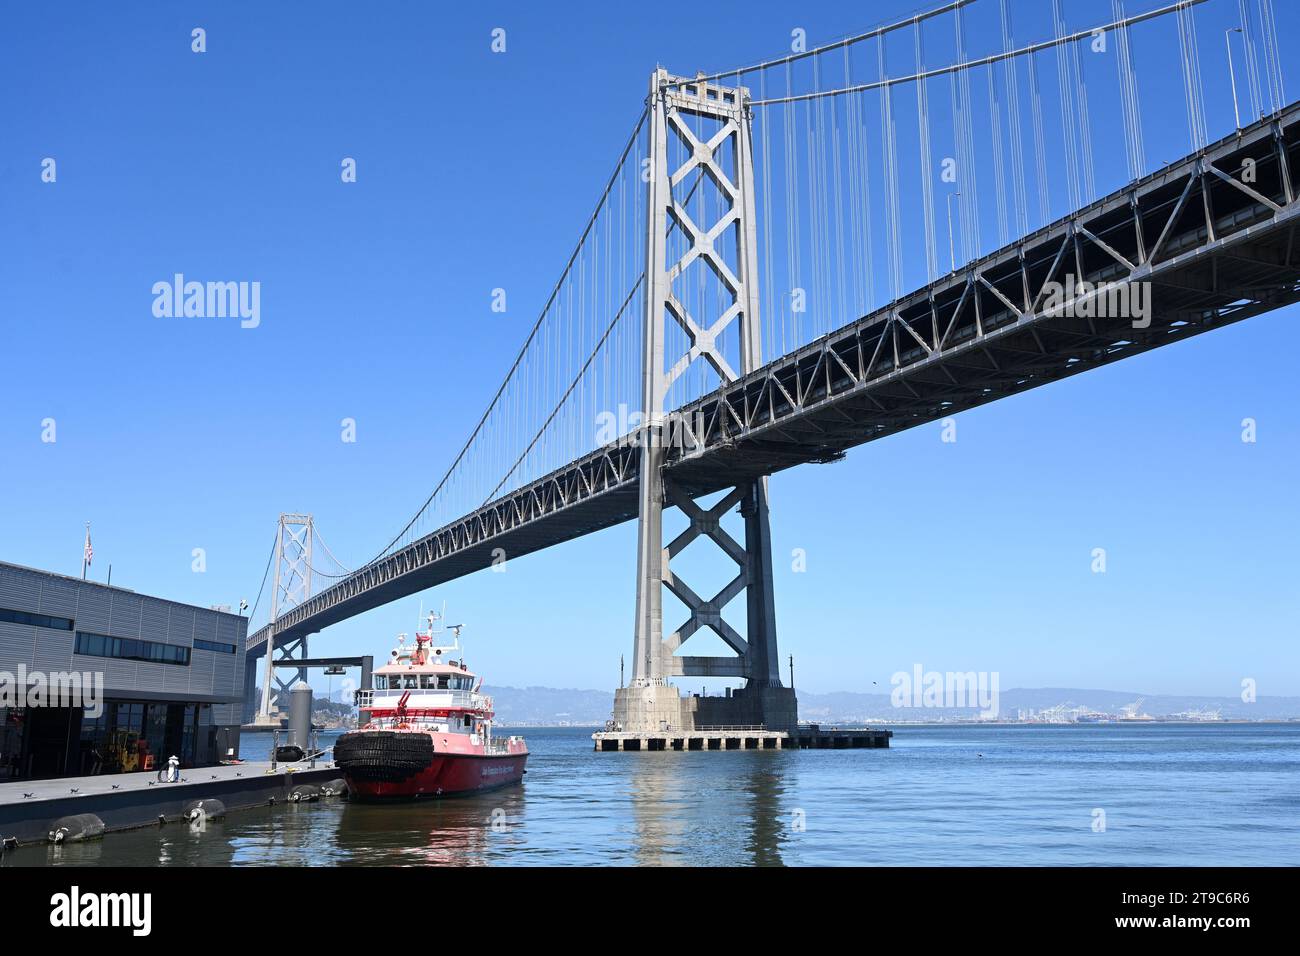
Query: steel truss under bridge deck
{"points": [[1216, 247], [594, 492]]}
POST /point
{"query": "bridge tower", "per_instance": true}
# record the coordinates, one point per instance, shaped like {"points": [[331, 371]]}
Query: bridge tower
{"points": [[728, 249], [293, 544]]}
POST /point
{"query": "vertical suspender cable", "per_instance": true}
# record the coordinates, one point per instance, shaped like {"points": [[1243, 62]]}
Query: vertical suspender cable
{"points": [[1068, 127], [891, 176], [1250, 56], [970, 178], [1128, 96], [1085, 122], [794, 256], [1040, 149], [855, 192], [816, 229], [927, 171], [814, 260], [765, 178], [999, 168], [1268, 23], [836, 136], [1191, 77], [1017, 145]]}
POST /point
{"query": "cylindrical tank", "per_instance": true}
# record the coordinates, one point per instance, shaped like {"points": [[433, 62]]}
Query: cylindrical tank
{"points": [[300, 715]]}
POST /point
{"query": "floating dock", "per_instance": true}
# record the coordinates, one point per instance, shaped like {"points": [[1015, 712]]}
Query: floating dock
{"points": [[805, 737], [126, 801]]}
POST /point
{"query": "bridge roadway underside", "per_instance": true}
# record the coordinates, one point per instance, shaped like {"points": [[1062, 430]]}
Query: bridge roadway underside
{"points": [[1212, 245]]}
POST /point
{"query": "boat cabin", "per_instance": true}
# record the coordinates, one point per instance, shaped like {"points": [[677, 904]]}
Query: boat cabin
{"points": [[426, 683]]}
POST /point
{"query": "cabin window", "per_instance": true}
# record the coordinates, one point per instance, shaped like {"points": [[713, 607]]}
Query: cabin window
{"points": [[442, 681], [426, 681], [381, 683]]}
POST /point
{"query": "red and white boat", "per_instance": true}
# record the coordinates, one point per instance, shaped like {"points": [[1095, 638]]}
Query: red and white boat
{"points": [[426, 730]]}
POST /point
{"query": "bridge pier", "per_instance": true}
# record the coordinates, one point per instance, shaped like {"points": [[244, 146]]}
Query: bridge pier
{"points": [[660, 708], [650, 703]]}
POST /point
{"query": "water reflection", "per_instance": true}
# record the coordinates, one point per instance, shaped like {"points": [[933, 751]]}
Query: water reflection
{"points": [[71, 854], [459, 831], [658, 811], [770, 820], [733, 804]]}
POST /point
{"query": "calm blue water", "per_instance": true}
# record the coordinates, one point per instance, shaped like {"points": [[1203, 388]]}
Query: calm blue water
{"points": [[1206, 794]]}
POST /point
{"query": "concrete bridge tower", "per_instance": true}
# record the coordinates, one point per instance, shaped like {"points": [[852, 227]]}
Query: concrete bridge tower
{"points": [[723, 157]]}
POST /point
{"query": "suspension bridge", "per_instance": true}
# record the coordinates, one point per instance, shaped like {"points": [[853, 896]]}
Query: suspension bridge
{"points": [[762, 284]]}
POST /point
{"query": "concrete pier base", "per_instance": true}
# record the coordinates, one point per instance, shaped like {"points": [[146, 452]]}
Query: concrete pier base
{"points": [[660, 708], [803, 737]]}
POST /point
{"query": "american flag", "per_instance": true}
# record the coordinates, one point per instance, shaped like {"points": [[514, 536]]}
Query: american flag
{"points": [[90, 552]]}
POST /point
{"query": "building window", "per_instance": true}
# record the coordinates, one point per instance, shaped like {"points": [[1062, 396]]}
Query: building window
{"points": [[35, 620], [217, 646], [131, 649]]}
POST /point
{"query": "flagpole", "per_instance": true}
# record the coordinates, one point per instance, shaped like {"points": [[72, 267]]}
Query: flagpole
{"points": [[83, 552]]}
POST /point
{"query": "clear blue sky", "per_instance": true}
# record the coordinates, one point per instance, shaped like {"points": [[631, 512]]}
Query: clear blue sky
{"points": [[476, 171]]}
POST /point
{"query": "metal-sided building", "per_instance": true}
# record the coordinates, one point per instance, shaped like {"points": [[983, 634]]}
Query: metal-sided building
{"points": [[173, 678]]}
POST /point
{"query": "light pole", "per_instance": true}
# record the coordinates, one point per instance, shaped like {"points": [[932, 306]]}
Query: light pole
{"points": [[1232, 74]]}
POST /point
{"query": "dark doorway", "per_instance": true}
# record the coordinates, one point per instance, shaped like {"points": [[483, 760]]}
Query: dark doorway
{"points": [[174, 742], [50, 742]]}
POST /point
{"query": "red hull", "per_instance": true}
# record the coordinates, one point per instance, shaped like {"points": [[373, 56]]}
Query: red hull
{"points": [[412, 764], [447, 775]]}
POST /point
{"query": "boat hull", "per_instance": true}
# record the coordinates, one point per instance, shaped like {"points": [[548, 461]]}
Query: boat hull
{"points": [[413, 765]]}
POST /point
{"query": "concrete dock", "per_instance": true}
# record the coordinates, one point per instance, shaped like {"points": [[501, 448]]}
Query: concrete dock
{"points": [[126, 801], [806, 737]]}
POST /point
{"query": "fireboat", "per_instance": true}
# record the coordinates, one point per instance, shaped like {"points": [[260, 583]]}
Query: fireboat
{"points": [[427, 728]]}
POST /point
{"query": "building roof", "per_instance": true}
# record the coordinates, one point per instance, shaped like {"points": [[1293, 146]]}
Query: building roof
{"points": [[9, 566]]}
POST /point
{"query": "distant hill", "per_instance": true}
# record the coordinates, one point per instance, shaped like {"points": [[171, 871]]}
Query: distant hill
{"points": [[551, 707], [846, 706], [539, 706]]}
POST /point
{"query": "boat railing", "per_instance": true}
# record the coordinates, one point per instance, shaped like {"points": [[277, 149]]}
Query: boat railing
{"points": [[501, 745], [422, 698]]}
